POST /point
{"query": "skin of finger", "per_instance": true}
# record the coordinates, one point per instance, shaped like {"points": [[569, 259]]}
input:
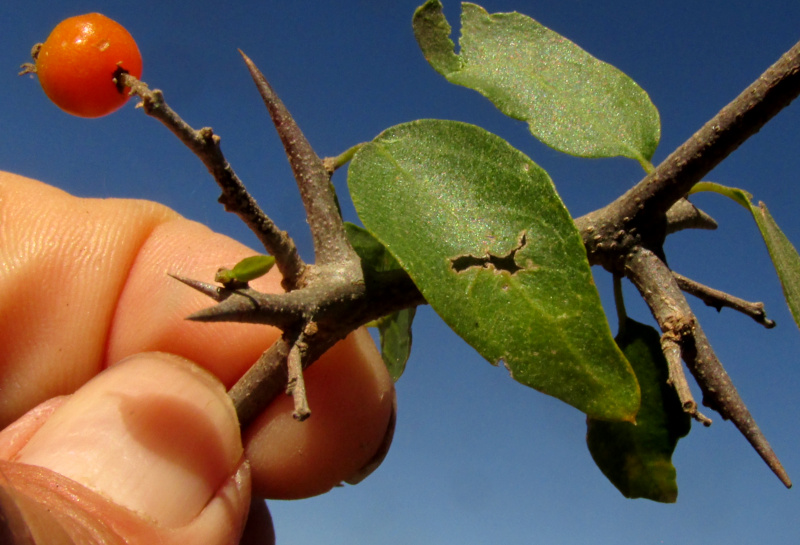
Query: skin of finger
{"points": [[108, 493], [59, 510], [258, 530], [114, 254], [164, 451], [352, 400], [79, 277], [152, 309], [15, 436]]}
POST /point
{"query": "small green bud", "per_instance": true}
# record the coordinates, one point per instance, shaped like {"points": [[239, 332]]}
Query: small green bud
{"points": [[246, 270]]}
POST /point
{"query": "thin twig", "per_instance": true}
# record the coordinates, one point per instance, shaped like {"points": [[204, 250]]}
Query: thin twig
{"points": [[296, 385], [332, 164], [341, 303], [718, 299], [660, 290], [619, 303], [205, 145], [331, 246], [254, 307], [671, 348]]}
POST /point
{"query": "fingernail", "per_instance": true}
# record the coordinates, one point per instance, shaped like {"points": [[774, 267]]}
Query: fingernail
{"points": [[153, 433]]}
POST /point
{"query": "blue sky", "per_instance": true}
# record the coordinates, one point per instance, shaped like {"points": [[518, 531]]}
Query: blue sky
{"points": [[477, 458]]}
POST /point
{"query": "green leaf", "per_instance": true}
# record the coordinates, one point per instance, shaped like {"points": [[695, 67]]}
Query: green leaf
{"points": [[395, 333], [784, 257], [394, 329], [637, 458], [246, 270], [481, 231], [783, 254], [374, 256], [572, 101]]}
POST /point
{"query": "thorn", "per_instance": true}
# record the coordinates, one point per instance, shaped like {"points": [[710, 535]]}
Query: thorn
{"points": [[248, 307], [720, 394], [747, 426], [235, 309], [211, 290], [212, 314]]}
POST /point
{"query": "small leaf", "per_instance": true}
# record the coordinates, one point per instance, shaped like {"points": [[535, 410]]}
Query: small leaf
{"points": [[481, 231], [374, 255], [637, 458], [246, 270], [395, 333], [394, 329], [571, 101], [784, 257], [783, 254]]}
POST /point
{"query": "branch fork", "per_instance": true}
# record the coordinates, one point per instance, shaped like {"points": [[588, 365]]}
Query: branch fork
{"points": [[626, 237], [323, 302]]}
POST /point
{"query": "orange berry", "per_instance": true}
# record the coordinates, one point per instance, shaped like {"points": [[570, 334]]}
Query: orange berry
{"points": [[77, 63]]}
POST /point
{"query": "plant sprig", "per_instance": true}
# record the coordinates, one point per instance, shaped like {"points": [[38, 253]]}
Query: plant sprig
{"points": [[327, 300]]}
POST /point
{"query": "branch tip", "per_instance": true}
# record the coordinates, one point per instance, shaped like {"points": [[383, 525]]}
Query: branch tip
{"points": [[718, 299], [659, 288]]}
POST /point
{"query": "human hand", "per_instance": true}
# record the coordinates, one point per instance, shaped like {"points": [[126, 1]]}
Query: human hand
{"points": [[149, 450]]}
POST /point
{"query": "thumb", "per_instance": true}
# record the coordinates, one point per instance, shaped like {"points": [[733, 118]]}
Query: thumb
{"points": [[148, 451]]}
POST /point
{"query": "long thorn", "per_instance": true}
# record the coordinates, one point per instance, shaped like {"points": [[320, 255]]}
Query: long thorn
{"points": [[313, 180], [660, 290]]}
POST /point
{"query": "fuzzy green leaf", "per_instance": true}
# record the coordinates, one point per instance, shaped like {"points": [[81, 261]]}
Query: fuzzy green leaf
{"points": [[481, 231], [375, 258], [784, 257], [637, 458], [783, 254], [395, 335], [394, 329], [571, 101]]}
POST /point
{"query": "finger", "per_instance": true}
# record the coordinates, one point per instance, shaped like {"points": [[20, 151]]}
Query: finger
{"points": [[353, 403], [259, 529], [88, 277], [147, 484], [84, 284]]}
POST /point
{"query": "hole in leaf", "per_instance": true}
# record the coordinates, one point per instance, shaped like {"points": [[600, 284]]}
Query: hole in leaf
{"points": [[490, 261]]}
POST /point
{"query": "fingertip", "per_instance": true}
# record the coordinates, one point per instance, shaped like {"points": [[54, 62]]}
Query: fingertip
{"points": [[85, 285], [65, 263], [40, 506], [168, 432], [352, 400]]}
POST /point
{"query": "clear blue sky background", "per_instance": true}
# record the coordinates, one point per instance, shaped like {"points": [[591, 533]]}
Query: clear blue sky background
{"points": [[477, 458]]}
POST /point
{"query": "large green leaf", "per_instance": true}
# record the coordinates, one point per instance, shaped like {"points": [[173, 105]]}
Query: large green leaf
{"points": [[572, 101], [637, 458], [783, 254], [394, 329], [481, 231]]}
